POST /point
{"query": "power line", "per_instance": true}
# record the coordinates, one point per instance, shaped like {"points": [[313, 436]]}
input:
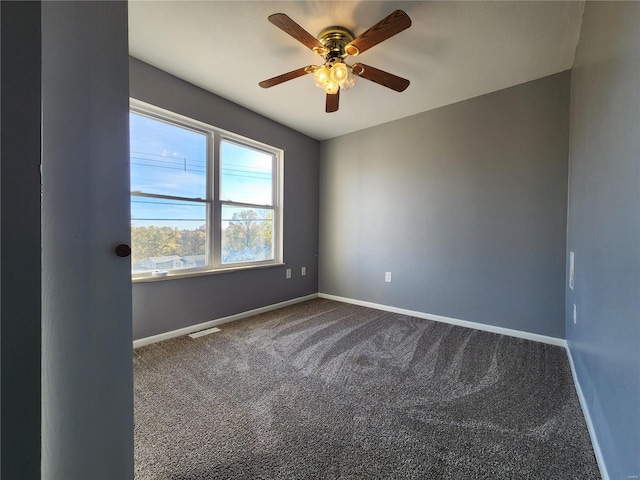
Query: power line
{"points": [[245, 176], [172, 161], [226, 165], [169, 168], [165, 156]]}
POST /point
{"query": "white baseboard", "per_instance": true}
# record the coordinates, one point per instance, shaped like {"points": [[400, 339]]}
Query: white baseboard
{"points": [[219, 321], [560, 342], [587, 417]]}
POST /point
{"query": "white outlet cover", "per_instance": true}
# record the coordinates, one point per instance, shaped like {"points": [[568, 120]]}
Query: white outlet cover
{"points": [[575, 314], [387, 277], [288, 273]]}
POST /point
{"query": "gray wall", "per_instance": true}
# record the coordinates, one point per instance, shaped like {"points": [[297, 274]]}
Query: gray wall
{"points": [[87, 378], [171, 304], [465, 205], [604, 228], [20, 305]]}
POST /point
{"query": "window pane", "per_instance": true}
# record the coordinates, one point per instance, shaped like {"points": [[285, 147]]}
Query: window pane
{"points": [[247, 234], [167, 159], [245, 175], [167, 234]]}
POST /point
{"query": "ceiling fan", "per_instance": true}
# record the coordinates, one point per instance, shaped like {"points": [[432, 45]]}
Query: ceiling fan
{"points": [[334, 44]]}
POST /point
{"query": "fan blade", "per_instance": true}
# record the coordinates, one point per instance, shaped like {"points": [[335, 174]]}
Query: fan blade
{"points": [[284, 23], [333, 99], [381, 77], [385, 28], [287, 76]]}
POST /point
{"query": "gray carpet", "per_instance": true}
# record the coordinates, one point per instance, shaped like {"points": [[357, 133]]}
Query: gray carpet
{"points": [[326, 390]]}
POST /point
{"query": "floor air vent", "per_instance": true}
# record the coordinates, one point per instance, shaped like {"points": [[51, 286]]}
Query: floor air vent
{"points": [[202, 333]]}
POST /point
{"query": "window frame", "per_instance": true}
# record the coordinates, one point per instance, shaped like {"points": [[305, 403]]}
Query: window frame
{"points": [[215, 136]]}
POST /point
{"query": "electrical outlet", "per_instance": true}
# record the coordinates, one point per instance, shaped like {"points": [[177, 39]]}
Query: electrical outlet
{"points": [[575, 314], [387, 277], [288, 273], [303, 271]]}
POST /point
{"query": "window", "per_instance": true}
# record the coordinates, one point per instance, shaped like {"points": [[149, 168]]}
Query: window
{"points": [[201, 199]]}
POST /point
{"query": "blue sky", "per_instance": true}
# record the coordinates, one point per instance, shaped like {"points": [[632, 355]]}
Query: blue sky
{"points": [[170, 160]]}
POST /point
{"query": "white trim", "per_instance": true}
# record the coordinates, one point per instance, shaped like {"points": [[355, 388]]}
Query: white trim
{"points": [[219, 321], [587, 417], [462, 323]]}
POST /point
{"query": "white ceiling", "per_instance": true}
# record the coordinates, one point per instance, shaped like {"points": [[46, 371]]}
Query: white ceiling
{"points": [[453, 51]]}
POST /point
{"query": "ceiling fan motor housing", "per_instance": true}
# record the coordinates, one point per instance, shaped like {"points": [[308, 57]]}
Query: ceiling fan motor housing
{"points": [[335, 39]]}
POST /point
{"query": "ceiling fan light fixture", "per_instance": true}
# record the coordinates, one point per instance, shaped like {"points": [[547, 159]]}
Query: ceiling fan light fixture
{"points": [[349, 81], [321, 76], [339, 72], [332, 87], [331, 77]]}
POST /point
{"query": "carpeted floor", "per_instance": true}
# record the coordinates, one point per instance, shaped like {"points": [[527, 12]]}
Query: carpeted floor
{"points": [[327, 390]]}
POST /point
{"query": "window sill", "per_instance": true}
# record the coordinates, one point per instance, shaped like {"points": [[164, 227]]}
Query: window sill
{"points": [[200, 273]]}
